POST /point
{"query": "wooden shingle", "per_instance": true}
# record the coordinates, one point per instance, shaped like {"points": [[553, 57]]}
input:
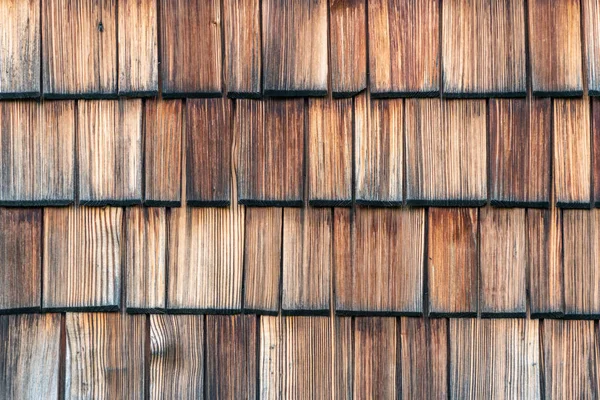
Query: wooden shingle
{"points": [[595, 151], [591, 38], [343, 360]]}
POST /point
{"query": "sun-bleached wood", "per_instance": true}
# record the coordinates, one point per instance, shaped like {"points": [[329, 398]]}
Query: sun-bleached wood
{"points": [[452, 261], [343, 361], [37, 153], [270, 360], [330, 135], [243, 60], [79, 48], [495, 359], [398, 31], [82, 258], [555, 47], [520, 147], [307, 260], [379, 263], [20, 259], [138, 47], [348, 52], [483, 48], [572, 152], [595, 150], [105, 355], [208, 134], [294, 45], [29, 356], [176, 356], [262, 259], [270, 152], [146, 269], [446, 152], [20, 41], [109, 134], [502, 262], [163, 127], [591, 38]]}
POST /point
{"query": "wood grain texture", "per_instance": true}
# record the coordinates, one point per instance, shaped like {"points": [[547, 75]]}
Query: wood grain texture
{"points": [[348, 51], [307, 260], [243, 60], [176, 357], [20, 41], [20, 259], [581, 241], [570, 351], [138, 47], [208, 152], [545, 262], [105, 356], [572, 153], [378, 156], [163, 127], [452, 261], [446, 152], [520, 146], [71, 69], [343, 361], [423, 357], [146, 264], [82, 258], [495, 359], [294, 45], [591, 39], [37, 149], [109, 136], [270, 153], [483, 48], [205, 259], [375, 358], [190, 48], [231, 356], [330, 136], [29, 356], [397, 31], [262, 259], [595, 145], [502, 262], [555, 48], [381, 271]]}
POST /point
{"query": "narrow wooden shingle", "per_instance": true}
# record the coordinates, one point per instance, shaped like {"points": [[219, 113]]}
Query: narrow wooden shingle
{"points": [[20, 41], [446, 152], [379, 266], [146, 267], [555, 47], [270, 154], [378, 150], [109, 134], [138, 47], [82, 258], [330, 135], [404, 47], [176, 357], [502, 262], [294, 45], [163, 125], [243, 60], [495, 359], [29, 356], [520, 148], [20, 259], [231, 355], [596, 150], [483, 48], [348, 53], [208, 152], [452, 261], [307, 260], [79, 48], [262, 259], [591, 38], [343, 361], [190, 47], [572, 153]]}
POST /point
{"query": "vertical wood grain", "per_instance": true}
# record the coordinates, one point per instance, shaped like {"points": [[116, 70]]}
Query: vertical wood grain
{"points": [[343, 362], [596, 151], [591, 38]]}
